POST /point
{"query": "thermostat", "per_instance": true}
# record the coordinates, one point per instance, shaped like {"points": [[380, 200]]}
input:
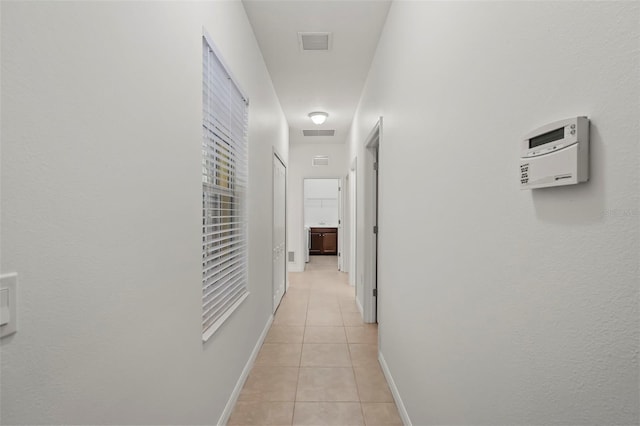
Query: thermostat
{"points": [[556, 154]]}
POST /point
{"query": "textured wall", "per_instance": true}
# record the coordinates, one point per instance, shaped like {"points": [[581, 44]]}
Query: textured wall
{"points": [[502, 306], [101, 210]]}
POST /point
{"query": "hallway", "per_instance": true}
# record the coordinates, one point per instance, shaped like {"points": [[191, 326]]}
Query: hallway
{"points": [[145, 148], [318, 364]]}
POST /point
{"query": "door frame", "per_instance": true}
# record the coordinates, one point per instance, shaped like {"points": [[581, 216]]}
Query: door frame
{"points": [[353, 224], [346, 214], [340, 227], [371, 216], [341, 224], [279, 157]]}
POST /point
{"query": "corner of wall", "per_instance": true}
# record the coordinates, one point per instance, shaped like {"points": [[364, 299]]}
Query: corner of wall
{"points": [[404, 415], [233, 398]]}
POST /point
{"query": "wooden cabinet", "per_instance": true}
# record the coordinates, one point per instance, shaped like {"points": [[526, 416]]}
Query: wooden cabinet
{"points": [[316, 242], [330, 242], [324, 241]]}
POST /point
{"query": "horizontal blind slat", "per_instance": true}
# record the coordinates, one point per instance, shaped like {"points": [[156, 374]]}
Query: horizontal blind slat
{"points": [[233, 292], [221, 246], [214, 228], [209, 267], [218, 275], [215, 242], [236, 230], [209, 294], [226, 298]]}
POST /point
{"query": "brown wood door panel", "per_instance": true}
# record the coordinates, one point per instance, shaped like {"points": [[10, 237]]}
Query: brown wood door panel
{"points": [[330, 243], [316, 243]]}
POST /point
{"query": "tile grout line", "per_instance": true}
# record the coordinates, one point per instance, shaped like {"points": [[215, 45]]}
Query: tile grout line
{"points": [[355, 379], [304, 332], [313, 296]]}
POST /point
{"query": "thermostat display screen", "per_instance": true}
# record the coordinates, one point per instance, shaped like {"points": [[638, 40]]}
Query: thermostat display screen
{"points": [[551, 136]]}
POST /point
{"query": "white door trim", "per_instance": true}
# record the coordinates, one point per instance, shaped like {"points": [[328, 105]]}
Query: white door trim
{"points": [[340, 225], [346, 224], [353, 224], [372, 144], [281, 249]]}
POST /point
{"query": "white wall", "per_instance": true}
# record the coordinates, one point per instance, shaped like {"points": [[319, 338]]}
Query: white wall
{"points": [[300, 167], [101, 206], [501, 306]]}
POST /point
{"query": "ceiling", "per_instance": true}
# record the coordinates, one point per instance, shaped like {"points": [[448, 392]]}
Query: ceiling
{"points": [[307, 81]]}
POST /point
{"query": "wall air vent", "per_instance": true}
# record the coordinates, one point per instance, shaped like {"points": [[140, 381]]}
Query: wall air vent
{"points": [[319, 132], [320, 160], [314, 41]]}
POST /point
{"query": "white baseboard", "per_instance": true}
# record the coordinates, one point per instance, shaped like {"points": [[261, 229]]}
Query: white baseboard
{"points": [[226, 413], [394, 391], [359, 307], [296, 266]]}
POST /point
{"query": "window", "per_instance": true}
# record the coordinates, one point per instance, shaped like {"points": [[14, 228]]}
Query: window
{"points": [[224, 192]]}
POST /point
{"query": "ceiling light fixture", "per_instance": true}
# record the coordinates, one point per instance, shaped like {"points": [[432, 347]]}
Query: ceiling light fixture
{"points": [[318, 117]]}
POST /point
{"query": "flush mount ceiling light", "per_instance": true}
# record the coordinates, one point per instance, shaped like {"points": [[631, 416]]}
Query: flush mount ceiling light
{"points": [[318, 117]]}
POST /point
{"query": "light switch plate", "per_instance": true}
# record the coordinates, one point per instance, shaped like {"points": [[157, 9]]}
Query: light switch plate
{"points": [[8, 306], [5, 315]]}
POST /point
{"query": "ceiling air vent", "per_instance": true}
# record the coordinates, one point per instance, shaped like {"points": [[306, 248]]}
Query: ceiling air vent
{"points": [[314, 41], [320, 160], [319, 132]]}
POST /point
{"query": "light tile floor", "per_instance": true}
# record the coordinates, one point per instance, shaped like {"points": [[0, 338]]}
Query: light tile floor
{"points": [[319, 363]]}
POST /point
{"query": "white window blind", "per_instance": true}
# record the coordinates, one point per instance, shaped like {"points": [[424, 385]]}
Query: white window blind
{"points": [[224, 193]]}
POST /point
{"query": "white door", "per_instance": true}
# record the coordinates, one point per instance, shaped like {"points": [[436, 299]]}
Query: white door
{"points": [[279, 230]]}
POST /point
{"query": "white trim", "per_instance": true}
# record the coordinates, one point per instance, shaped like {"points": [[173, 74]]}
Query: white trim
{"points": [[372, 145], [341, 224], [286, 253], [353, 223], [286, 218], [346, 225], [359, 307], [231, 403], [404, 416]]}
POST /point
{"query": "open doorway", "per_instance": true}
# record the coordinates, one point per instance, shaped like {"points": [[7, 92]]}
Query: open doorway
{"points": [[322, 218]]}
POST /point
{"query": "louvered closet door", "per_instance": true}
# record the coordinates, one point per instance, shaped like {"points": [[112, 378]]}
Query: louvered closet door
{"points": [[279, 231]]}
